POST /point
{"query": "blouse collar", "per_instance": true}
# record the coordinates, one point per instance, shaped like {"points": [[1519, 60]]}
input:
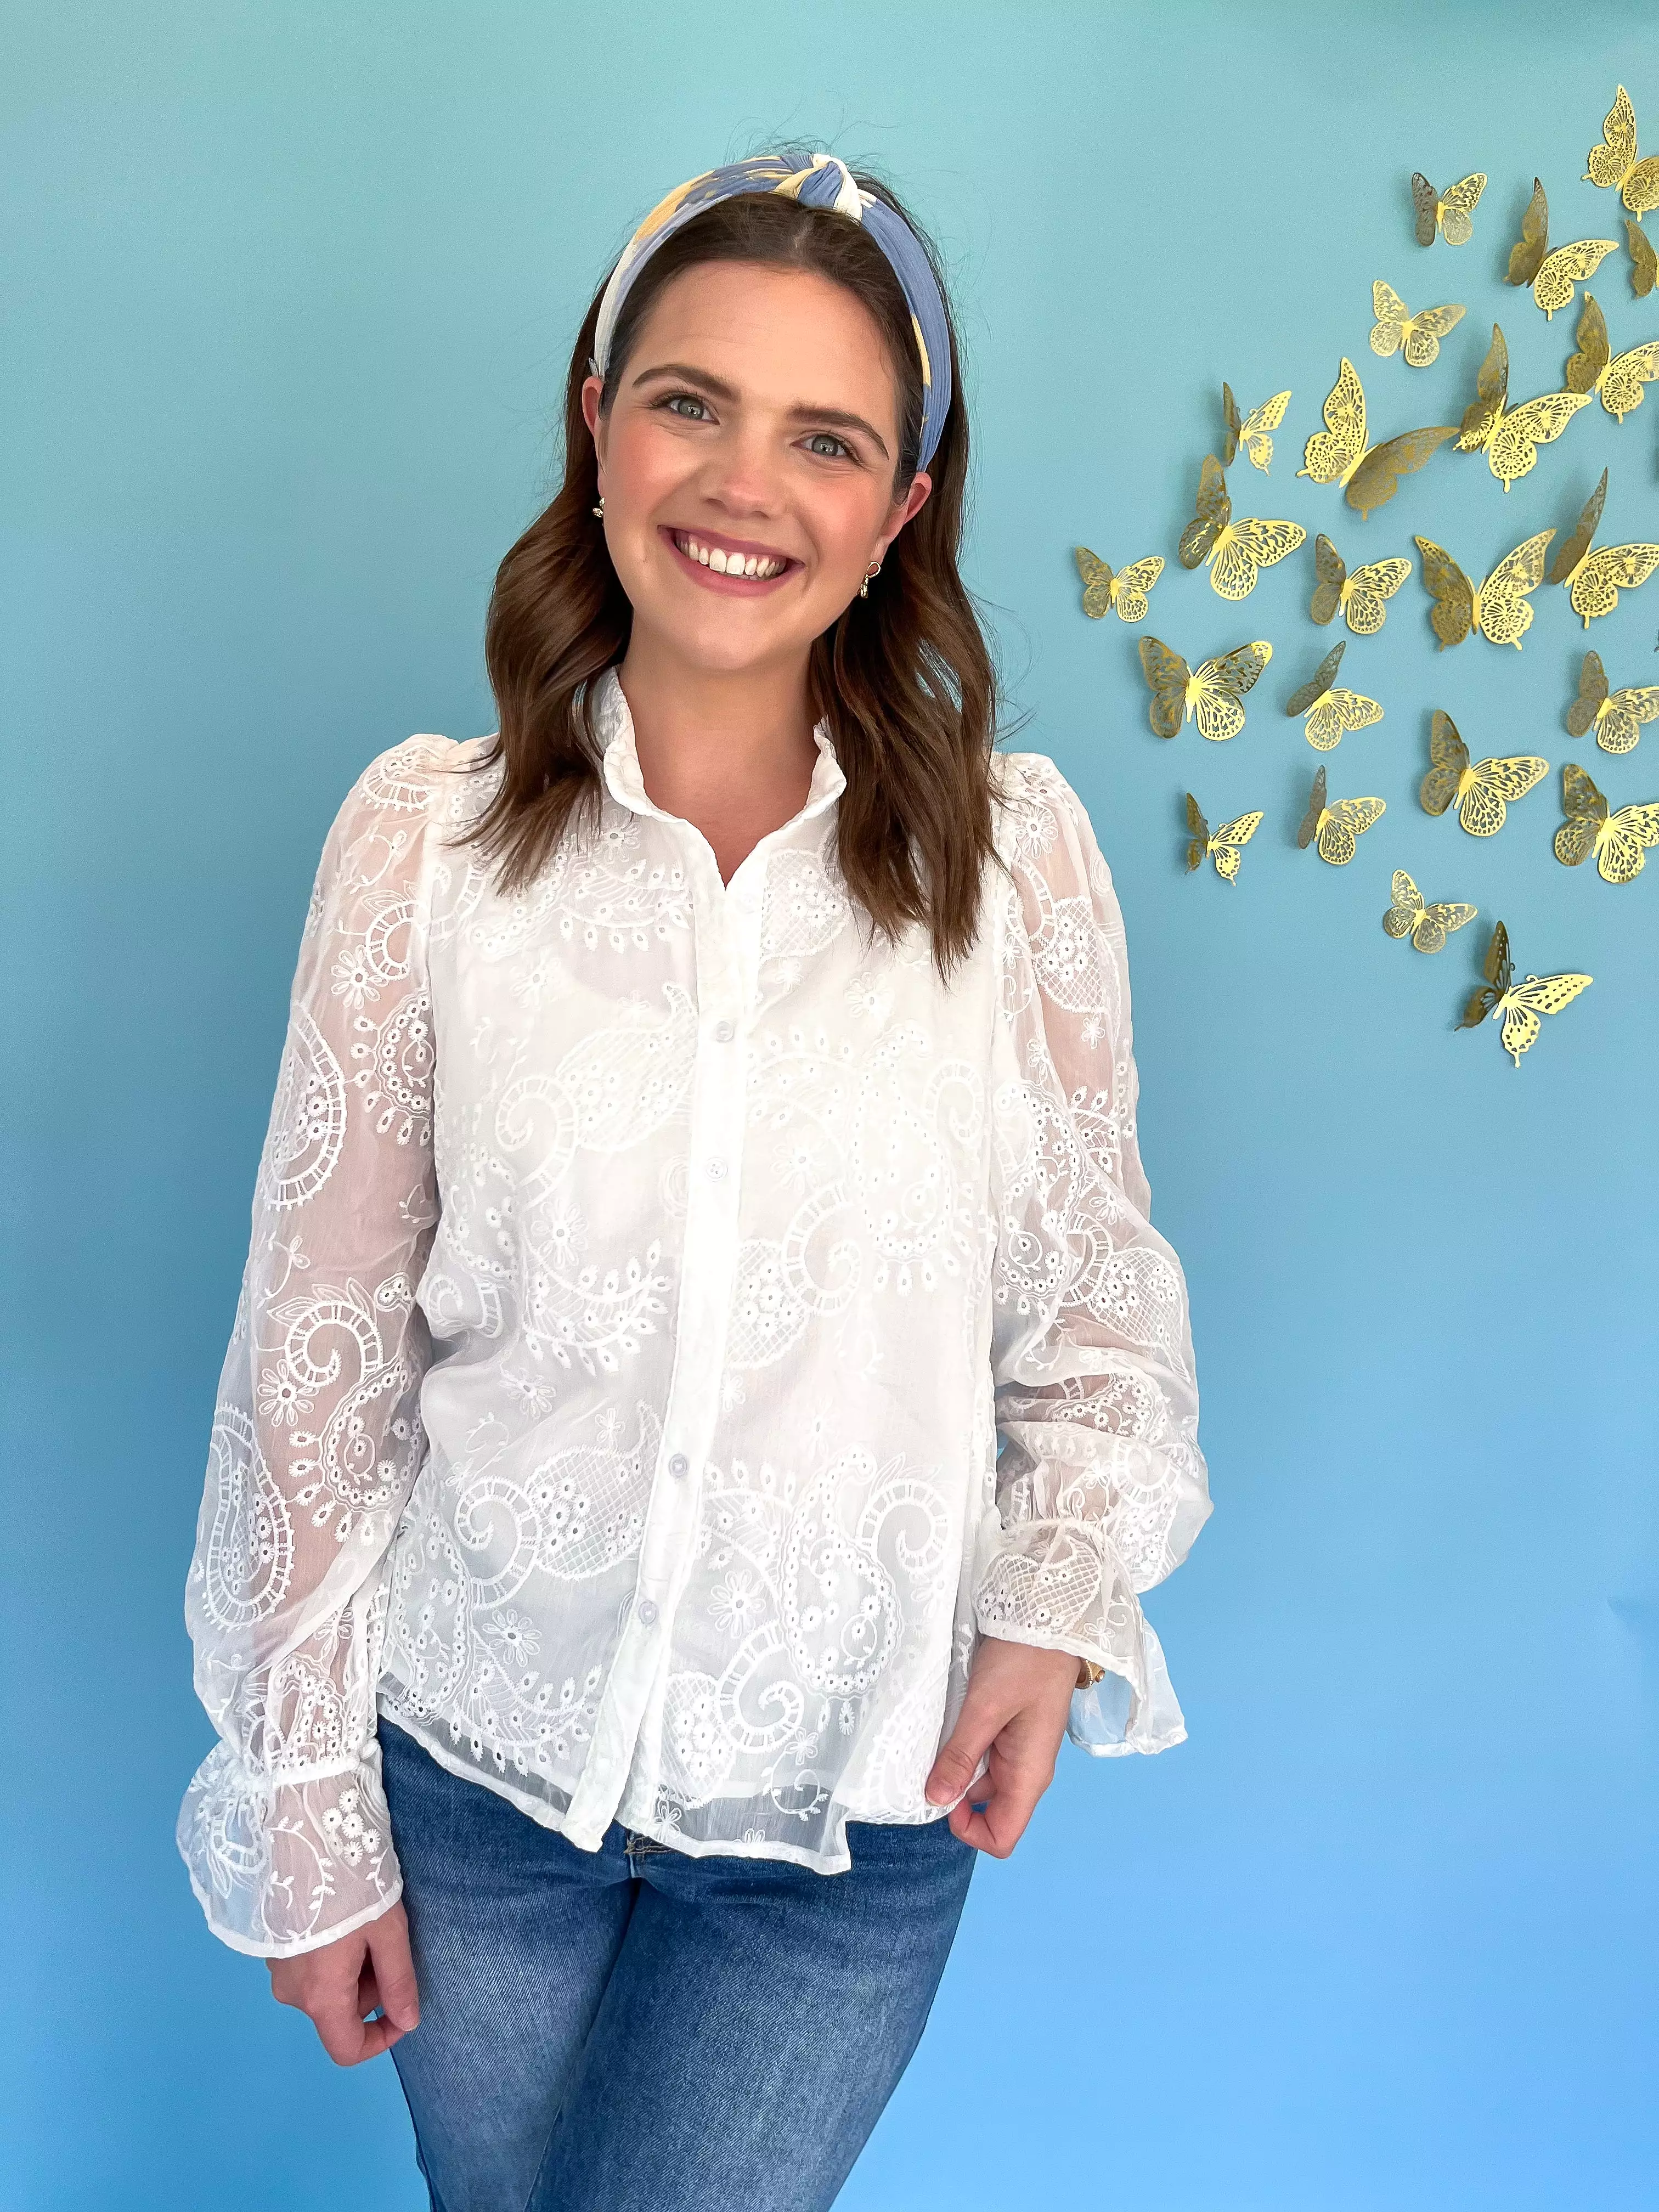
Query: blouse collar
{"points": [[615, 724]]}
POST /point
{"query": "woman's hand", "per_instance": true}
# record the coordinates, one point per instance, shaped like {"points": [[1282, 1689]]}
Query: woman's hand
{"points": [[1015, 1707], [340, 1983]]}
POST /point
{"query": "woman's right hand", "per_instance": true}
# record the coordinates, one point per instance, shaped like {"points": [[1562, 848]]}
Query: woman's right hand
{"points": [[339, 1985]]}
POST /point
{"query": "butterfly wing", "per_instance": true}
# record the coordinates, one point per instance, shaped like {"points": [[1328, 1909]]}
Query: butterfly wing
{"points": [[1644, 261], [1604, 573], [1623, 845], [1539, 994], [1332, 573], [1527, 255], [1221, 683], [1498, 969], [1619, 725], [1426, 209], [1457, 205], [1407, 909], [1501, 611], [1248, 546], [1319, 683], [1256, 433], [1423, 337], [1641, 188], [1096, 582], [1377, 477], [1368, 588], [1133, 584], [1388, 331], [1450, 757], [1494, 783], [1436, 923], [1609, 163], [1167, 677], [1585, 709], [1492, 387], [1344, 824], [1585, 810], [1568, 265], [1513, 446], [1453, 615], [1585, 365], [1232, 426], [1228, 840], [1621, 386], [1198, 841], [1567, 559], [1212, 511], [1339, 710], [1335, 448], [1310, 824]]}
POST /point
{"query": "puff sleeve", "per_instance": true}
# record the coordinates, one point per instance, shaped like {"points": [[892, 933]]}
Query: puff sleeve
{"points": [[1100, 1483], [317, 1436]]}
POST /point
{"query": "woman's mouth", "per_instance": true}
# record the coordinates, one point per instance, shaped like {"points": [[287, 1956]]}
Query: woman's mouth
{"points": [[724, 565]]}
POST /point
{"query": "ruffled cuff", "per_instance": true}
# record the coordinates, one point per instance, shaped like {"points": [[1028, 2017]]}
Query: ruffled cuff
{"points": [[280, 1868], [1062, 1585]]}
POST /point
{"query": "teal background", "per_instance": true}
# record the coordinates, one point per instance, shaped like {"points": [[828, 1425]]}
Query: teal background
{"points": [[288, 292]]}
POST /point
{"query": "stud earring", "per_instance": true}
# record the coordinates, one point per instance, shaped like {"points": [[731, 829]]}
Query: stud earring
{"points": [[599, 509], [874, 569]]}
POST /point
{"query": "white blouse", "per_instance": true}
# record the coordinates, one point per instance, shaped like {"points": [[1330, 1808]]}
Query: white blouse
{"points": [[644, 1272]]}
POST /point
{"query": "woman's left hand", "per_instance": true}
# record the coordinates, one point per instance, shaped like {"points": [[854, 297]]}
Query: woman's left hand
{"points": [[1015, 1707]]}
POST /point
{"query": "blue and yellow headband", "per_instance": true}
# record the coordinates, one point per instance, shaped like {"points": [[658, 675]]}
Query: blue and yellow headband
{"points": [[827, 183]]}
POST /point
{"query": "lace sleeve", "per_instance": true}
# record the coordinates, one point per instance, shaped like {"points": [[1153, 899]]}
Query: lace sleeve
{"points": [[1101, 1488], [316, 1436]]}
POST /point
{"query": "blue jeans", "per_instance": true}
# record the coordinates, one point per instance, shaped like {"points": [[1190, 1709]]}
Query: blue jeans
{"points": [[634, 2029]]}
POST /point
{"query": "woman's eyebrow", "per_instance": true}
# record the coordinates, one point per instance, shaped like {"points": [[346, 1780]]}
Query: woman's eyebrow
{"points": [[718, 388]]}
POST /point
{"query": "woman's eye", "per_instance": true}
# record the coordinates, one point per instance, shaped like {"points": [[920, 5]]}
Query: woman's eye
{"points": [[827, 437], [690, 399]]}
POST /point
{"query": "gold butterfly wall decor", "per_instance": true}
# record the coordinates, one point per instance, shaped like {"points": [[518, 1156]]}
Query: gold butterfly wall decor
{"points": [[1448, 213], [1614, 164], [1616, 717], [1482, 791], [1427, 926], [1620, 841], [1225, 846], [1594, 579], [1519, 1004], [1644, 261], [1338, 454], [1511, 436], [1208, 695], [1552, 275], [1359, 597], [1498, 608], [1417, 336], [1126, 591], [1595, 369], [1253, 431], [1333, 830], [1329, 710], [1236, 551]]}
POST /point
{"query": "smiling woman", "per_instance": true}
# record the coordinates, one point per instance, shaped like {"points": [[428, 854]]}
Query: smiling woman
{"points": [[708, 1394]]}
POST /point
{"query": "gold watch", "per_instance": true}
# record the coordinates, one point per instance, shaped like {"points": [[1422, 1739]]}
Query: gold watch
{"points": [[1087, 1671]]}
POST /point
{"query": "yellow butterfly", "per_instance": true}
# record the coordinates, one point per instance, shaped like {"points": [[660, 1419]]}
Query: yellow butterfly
{"points": [[1329, 711], [1593, 368], [1225, 846], [1481, 791], [1596, 579], [1520, 1004], [1620, 841], [1449, 212], [1614, 162], [1336, 827], [1126, 591], [1498, 608], [1616, 717], [1359, 597], [1339, 453], [1511, 438], [1420, 335], [1236, 551], [1644, 261], [1428, 927], [1208, 695], [1552, 275], [1252, 431]]}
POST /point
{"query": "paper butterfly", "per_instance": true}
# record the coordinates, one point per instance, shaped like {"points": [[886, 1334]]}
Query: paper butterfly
{"points": [[1594, 580], [1644, 261], [1511, 438], [1420, 335], [1208, 695], [1620, 841], [1428, 927], [1552, 275], [1449, 213], [1614, 162], [1339, 453], [1360, 597], [1520, 1004], [1593, 368], [1225, 846], [1126, 591], [1236, 551], [1336, 827], [1254, 431], [1496, 608], [1616, 717], [1329, 711], [1481, 791]]}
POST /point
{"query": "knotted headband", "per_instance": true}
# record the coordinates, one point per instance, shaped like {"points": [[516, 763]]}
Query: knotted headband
{"points": [[827, 183]]}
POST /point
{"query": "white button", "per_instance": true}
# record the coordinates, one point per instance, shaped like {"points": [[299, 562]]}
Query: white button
{"points": [[679, 1464], [717, 1169], [647, 1611], [722, 1032]]}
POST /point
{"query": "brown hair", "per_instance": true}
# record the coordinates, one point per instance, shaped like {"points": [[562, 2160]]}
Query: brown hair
{"points": [[904, 680]]}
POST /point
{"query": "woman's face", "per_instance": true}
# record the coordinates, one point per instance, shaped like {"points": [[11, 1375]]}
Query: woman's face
{"points": [[756, 421]]}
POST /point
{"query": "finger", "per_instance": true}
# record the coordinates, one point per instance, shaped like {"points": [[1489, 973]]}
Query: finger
{"points": [[994, 1813], [975, 1731], [390, 1968]]}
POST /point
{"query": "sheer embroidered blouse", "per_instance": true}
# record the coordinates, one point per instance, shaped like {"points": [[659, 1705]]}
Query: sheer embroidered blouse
{"points": [[676, 1327]]}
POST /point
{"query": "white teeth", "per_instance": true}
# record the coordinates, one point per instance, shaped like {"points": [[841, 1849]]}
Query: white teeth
{"points": [[728, 564], [717, 562]]}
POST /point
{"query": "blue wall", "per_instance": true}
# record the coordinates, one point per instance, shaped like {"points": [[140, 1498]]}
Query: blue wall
{"points": [[288, 293]]}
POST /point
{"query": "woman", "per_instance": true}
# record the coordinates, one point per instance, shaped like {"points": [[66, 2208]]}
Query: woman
{"points": [[705, 1137]]}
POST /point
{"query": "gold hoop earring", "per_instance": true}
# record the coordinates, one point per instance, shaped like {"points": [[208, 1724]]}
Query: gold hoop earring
{"points": [[599, 509], [874, 569]]}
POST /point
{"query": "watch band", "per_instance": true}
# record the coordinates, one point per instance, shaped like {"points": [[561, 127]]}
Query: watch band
{"points": [[1088, 1672]]}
